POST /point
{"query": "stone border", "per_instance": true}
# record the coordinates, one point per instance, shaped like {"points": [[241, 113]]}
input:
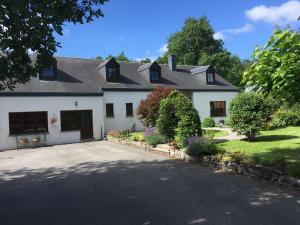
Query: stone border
{"points": [[257, 171]]}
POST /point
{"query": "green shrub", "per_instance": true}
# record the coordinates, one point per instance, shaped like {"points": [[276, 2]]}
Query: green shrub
{"points": [[124, 133], [155, 139], [178, 119], [285, 117], [210, 135], [201, 148], [237, 157], [138, 137], [249, 113], [208, 122]]}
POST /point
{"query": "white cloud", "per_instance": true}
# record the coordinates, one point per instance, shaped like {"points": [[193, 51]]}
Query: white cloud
{"points": [[285, 13], [219, 36], [163, 49], [223, 34]]}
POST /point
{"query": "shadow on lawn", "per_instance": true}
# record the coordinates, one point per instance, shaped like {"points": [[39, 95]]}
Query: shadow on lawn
{"points": [[266, 138], [147, 192]]}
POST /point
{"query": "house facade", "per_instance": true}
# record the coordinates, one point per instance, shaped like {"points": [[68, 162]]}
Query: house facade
{"points": [[82, 99]]}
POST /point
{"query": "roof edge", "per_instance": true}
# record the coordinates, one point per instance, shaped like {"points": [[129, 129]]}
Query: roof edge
{"points": [[48, 94]]}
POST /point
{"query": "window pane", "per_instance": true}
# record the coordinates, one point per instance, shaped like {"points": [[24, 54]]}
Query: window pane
{"points": [[154, 75], [210, 77], [28, 122], [109, 110], [218, 109], [70, 120], [129, 109]]}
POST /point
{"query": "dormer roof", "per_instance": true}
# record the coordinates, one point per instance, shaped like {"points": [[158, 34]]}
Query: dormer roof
{"points": [[148, 66], [108, 62], [200, 69]]}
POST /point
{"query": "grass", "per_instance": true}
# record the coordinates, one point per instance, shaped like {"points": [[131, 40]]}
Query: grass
{"points": [[271, 146], [217, 133]]}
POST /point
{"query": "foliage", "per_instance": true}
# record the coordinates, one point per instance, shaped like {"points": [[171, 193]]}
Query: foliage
{"points": [[155, 139], [250, 113], [146, 60], [178, 118], [214, 133], [276, 67], [208, 122], [137, 136], [148, 109], [149, 131], [239, 157], [27, 26], [114, 133], [122, 57], [124, 133], [231, 67], [285, 117], [194, 44], [270, 147], [210, 135], [200, 147]]}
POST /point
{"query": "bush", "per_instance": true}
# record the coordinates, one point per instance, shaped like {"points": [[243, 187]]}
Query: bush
{"points": [[208, 122], [149, 131], [249, 113], [155, 139], [201, 148], [138, 137], [284, 118], [149, 108], [178, 119], [113, 133], [124, 133], [210, 135], [238, 157]]}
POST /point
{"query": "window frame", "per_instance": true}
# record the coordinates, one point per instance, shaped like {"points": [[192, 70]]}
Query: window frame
{"points": [[109, 114], [23, 121], [158, 75], [212, 76], [48, 78], [75, 121], [112, 76], [218, 111], [129, 111]]}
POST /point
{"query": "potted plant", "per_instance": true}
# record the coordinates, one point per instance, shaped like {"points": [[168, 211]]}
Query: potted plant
{"points": [[24, 140]]}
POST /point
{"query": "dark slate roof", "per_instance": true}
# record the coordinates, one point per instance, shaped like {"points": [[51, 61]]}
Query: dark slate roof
{"points": [[145, 66], [77, 76]]}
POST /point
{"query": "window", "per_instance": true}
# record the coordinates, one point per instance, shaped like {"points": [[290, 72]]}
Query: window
{"points": [[28, 122], [70, 120], [112, 74], [47, 73], [218, 109], [129, 109], [154, 75], [210, 78], [109, 110]]}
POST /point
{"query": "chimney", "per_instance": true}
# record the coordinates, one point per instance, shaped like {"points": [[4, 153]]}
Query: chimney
{"points": [[172, 62]]}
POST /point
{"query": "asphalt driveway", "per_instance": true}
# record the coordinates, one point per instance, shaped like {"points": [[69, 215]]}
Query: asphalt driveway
{"points": [[101, 183]]}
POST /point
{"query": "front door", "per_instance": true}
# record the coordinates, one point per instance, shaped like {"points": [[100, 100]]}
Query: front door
{"points": [[86, 124]]}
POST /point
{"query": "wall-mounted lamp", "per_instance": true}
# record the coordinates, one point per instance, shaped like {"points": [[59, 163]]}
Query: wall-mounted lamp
{"points": [[76, 103]]}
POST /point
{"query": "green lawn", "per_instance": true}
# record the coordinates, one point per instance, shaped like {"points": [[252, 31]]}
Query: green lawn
{"points": [[271, 146], [218, 133]]}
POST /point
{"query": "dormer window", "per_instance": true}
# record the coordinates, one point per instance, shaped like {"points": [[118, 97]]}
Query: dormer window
{"points": [[112, 74], [210, 77], [48, 73], [154, 75]]}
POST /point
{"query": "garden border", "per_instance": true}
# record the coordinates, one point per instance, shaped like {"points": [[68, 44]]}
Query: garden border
{"points": [[258, 171]]}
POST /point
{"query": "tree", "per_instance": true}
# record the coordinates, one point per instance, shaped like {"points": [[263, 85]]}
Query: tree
{"points": [[29, 26], [193, 40], [249, 113], [148, 109], [178, 119], [276, 67], [146, 60], [194, 44], [122, 57]]}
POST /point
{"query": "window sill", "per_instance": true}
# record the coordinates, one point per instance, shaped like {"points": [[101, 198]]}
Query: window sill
{"points": [[33, 133], [130, 116], [66, 131], [110, 117]]}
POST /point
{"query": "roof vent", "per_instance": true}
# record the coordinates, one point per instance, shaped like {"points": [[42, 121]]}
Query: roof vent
{"points": [[172, 62]]}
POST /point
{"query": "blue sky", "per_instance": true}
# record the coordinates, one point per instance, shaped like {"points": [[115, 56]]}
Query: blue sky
{"points": [[140, 28]]}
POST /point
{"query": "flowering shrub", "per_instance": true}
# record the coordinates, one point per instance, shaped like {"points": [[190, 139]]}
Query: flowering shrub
{"points": [[114, 133], [149, 131], [193, 139]]}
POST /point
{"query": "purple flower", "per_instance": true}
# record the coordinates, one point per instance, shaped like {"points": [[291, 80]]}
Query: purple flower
{"points": [[193, 139], [149, 131]]}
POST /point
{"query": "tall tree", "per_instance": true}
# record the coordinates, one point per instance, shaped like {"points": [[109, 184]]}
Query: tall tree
{"points": [[276, 67], [27, 25], [194, 44], [193, 40]]}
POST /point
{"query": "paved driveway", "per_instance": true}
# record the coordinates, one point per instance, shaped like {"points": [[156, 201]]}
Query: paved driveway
{"points": [[101, 183]]}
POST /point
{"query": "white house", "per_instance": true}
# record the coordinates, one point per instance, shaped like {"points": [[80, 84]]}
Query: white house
{"points": [[82, 99]]}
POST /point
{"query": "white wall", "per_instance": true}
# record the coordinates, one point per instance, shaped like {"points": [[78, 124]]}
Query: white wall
{"points": [[120, 121], [53, 105], [201, 101]]}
